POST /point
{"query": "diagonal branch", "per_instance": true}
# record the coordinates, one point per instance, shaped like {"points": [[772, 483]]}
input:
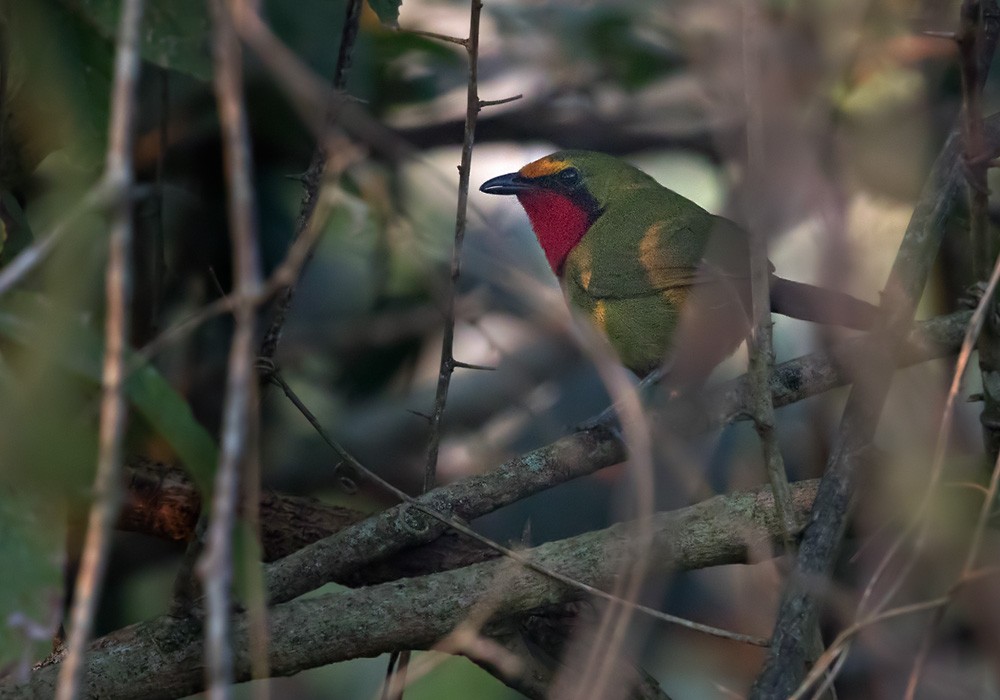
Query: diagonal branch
{"points": [[311, 180]]}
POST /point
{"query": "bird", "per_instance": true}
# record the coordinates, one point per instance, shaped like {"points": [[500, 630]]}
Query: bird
{"points": [[667, 282]]}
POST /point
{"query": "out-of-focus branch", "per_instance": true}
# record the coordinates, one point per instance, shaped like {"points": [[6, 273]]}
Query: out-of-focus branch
{"points": [[311, 180], [118, 176], [786, 664], [979, 21], [239, 420], [761, 355], [981, 327], [101, 195], [161, 658]]}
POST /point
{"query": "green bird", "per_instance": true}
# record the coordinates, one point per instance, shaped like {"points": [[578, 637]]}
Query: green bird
{"points": [[667, 282]]}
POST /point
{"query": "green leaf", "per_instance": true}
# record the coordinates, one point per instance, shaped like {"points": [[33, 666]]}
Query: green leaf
{"points": [[81, 353], [387, 11], [30, 548], [175, 33]]}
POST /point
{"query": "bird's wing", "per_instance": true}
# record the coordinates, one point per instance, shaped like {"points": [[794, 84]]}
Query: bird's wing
{"points": [[665, 264]]}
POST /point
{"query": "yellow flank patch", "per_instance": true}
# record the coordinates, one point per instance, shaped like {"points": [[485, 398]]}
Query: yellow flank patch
{"points": [[583, 262], [600, 315], [542, 167], [649, 245], [650, 256]]}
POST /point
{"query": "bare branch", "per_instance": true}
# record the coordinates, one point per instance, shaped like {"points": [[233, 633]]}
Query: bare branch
{"points": [[447, 365], [103, 193], [239, 420], [311, 181], [118, 289]]}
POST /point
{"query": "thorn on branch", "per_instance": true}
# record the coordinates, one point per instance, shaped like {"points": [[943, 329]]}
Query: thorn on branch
{"points": [[267, 369], [467, 365], [347, 484], [440, 37], [501, 101], [419, 414], [940, 35]]}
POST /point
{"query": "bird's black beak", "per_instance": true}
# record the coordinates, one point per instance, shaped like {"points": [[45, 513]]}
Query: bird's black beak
{"points": [[511, 183]]}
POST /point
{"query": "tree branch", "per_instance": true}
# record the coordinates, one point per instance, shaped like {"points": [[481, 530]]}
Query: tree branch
{"points": [[161, 658], [118, 174], [239, 422]]}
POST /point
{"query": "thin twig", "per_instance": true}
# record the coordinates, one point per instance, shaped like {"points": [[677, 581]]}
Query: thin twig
{"points": [[118, 288], [281, 277], [501, 101], [601, 666], [838, 648], [311, 180], [447, 365], [969, 40], [440, 37], [216, 565]]}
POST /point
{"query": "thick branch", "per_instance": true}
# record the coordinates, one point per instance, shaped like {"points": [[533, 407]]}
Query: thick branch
{"points": [[162, 658]]}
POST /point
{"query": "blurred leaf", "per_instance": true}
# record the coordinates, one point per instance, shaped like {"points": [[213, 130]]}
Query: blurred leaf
{"points": [[614, 40], [175, 33], [387, 11], [30, 545], [58, 90], [15, 231], [413, 68], [150, 394]]}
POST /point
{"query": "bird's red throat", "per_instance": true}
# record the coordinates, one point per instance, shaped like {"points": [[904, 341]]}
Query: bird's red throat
{"points": [[558, 222]]}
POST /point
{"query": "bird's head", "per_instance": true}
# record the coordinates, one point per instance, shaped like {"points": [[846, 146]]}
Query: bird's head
{"points": [[564, 194]]}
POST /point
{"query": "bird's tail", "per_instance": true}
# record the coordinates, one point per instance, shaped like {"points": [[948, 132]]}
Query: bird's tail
{"points": [[810, 303]]}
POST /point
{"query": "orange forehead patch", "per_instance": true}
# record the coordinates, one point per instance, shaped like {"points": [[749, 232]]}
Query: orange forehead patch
{"points": [[542, 167]]}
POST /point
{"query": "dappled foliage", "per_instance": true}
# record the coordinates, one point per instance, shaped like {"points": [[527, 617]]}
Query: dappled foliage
{"points": [[815, 123]]}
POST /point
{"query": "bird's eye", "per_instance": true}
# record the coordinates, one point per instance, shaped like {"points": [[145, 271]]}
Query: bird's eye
{"points": [[569, 176]]}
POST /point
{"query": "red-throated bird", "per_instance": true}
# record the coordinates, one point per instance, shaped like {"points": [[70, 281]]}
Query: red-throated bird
{"points": [[665, 280]]}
